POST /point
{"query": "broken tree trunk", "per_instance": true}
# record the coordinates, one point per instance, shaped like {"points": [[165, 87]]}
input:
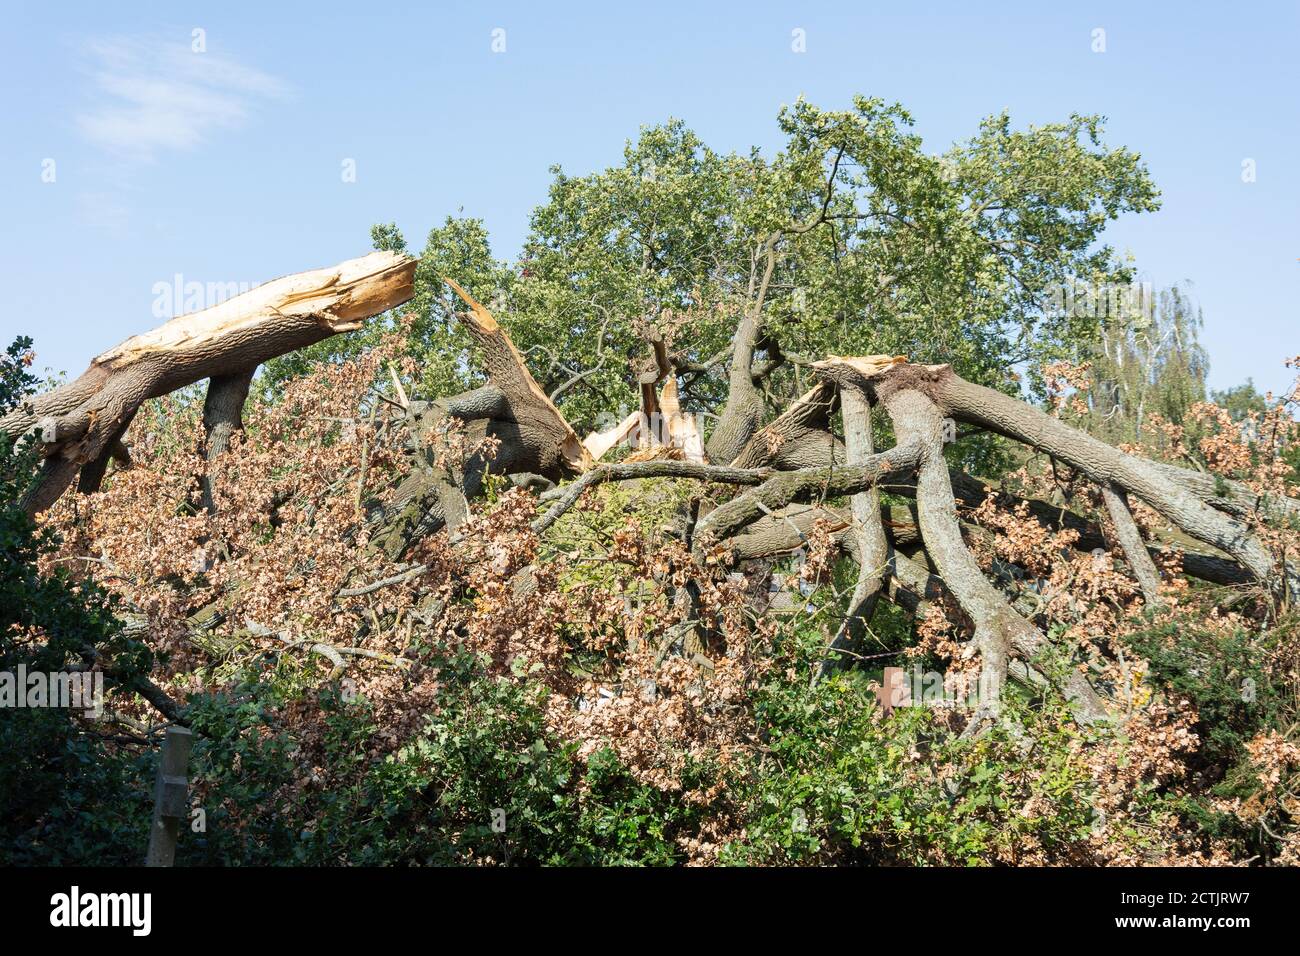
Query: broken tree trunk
{"points": [[1196, 504], [530, 436], [548, 439], [659, 422], [80, 420], [799, 437], [999, 631]]}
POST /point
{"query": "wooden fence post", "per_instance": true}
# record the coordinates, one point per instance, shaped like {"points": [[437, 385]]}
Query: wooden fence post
{"points": [[170, 797]]}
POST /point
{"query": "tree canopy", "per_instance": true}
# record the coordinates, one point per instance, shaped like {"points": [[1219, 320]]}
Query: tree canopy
{"points": [[873, 245]]}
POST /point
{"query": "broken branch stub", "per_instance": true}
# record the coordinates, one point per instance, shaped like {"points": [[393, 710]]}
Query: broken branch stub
{"points": [[541, 425]]}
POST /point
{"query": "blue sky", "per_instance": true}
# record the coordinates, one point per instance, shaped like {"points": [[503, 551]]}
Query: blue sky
{"points": [[226, 166]]}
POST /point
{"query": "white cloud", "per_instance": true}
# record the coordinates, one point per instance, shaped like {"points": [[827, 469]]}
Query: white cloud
{"points": [[152, 95]]}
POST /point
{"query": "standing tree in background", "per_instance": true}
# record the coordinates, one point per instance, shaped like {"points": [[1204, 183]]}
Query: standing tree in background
{"points": [[742, 267], [852, 238], [1149, 360]]}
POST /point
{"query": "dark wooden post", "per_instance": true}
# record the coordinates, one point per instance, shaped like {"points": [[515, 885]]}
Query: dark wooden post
{"points": [[170, 797]]}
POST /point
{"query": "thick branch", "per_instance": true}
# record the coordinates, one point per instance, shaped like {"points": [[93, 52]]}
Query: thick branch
{"points": [[1097, 460], [799, 437], [541, 425], [227, 339], [223, 415], [567, 496], [806, 484], [743, 413], [1131, 543], [997, 626], [872, 548], [92, 473], [1231, 496]]}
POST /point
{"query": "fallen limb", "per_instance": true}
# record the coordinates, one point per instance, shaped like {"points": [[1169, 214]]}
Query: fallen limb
{"points": [[1234, 497], [512, 413], [782, 489], [80, 420], [1131, 543], [1100, 462], [869, 532], [568, 495]]}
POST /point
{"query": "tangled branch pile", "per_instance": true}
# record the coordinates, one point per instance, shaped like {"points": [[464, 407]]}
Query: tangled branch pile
{"points": [[450, 629]]}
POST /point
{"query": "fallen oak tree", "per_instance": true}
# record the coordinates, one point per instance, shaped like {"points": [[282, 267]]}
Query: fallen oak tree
{"points": [[795, 458]]}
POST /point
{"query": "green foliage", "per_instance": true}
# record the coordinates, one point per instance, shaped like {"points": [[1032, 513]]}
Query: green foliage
{"points": [[943, 258], [63, 796], [481, 780], [1241, 401], [15, 380], [66, 799], [878, 246], [1233, 684], [1224, 678], [837, 783]]}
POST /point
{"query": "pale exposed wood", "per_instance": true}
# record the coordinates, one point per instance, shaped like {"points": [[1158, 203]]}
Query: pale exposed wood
{"points": [[681, 428], [340, 297], [508, 371], [667, 421], [598, 443], [862, 366]]}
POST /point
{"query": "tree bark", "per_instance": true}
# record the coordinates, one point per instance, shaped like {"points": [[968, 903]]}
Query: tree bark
{"points": [[546, 437], [997, 626], [533, 437], [786, 487], [1131, 543], [872, 546], [799, 437], [92, 473], [1099, 461], [743, 413], [223, 415]]}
